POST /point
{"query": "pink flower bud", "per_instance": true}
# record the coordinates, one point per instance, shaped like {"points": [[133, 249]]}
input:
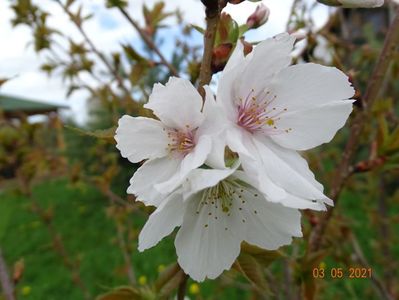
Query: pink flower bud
{"points": [[258, 17]]}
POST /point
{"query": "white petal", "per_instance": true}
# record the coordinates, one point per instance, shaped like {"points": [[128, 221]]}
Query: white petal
{"points": [[215, 158], [191, 161], [300, 203], [240, 141], [140, 138], [268, 58], [302, 86], [149, 174], [313, 126], [162, 222], [215, 119], [205, 248], [200, 179], [226, 90], [296, 162], [284, 175], [269, 225], [177, 104], [256, 175]]}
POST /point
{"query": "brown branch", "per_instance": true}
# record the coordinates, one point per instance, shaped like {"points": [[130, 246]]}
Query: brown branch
{"points": [[212, 21], [126, 254], [6, 283], [181, 291], [93, 48], [148, 41], [377, 283], [362, 117]]}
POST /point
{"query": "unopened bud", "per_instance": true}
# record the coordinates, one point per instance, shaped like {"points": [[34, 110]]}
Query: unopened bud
{"points": [[236, 1], [220, 56], [258, 17], [353, 3]]}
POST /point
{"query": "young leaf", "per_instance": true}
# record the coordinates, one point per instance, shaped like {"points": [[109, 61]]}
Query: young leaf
{"points": [[106, 134], [121, 293]]}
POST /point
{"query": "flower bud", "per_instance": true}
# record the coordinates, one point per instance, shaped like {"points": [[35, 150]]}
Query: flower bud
{"points": [[220, 56], [258, 17], [353, 3], [236, 1]]}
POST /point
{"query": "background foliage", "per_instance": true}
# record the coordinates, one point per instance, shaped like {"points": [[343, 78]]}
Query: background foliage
{"points": [[69, 231]]}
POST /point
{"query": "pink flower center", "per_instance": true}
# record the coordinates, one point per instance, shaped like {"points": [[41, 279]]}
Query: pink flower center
{"points": [[181, 142], [257, 114]]}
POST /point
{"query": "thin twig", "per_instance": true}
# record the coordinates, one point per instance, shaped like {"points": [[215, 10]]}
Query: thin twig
{"points": [[181, 291], [148, 41], [126, 254], [95, 50], [378, 285], [361, 119], [59, 246], [6, 283]]}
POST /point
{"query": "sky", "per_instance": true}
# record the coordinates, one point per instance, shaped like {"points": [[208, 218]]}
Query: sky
{"points": [[107, 29]]}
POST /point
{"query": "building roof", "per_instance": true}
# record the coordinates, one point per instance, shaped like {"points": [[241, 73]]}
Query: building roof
{"points": [[13, 106]]}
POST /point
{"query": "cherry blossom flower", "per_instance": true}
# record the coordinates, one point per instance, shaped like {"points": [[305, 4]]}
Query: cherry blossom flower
{"points": [[174, 145], [273, 109], [217, 210]]}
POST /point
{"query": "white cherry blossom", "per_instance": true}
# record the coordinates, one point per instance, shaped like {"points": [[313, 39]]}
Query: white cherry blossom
{"points": [[273, 109], [217, 210], [174, 145]]}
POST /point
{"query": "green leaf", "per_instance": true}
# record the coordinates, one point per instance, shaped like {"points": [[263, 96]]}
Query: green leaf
{"points": [[116, 3], [169, 280], [242, 29], [121, 293], [198, 28], [172, 284], [228, 30], [69, 3], [252, 271], [3, 81], [106, 134], [132, 54], [392, 145], [264, 257]]}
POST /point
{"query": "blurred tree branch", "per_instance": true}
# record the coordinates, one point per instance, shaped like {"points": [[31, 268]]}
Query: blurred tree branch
{"points": [[148, 41], [358, 124], [93, 48], [6, 283]]}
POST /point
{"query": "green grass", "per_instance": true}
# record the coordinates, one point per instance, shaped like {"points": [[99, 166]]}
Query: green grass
{"points": [[90, 238]]}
